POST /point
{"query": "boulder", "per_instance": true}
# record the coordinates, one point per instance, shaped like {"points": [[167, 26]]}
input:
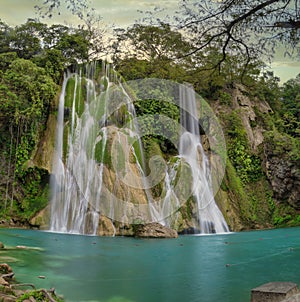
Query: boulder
{"points": [[154, 230], [7, 298], [1, 245], [105, 227], [5, 268]]}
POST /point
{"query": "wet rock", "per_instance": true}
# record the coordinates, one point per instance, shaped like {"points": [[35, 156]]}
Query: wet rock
{"points": [[1, 245], [7, 298], [3, 282], [154, 230], [5, 268], [190, 231], [105, 227]]}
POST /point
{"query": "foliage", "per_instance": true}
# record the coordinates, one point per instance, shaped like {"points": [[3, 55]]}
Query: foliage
{"points": [[247, 165], [90, 24], [149, 42], [290, 101], [39, 295], [5, 59], [53, 61], [284, 215], [26, 92], [267, 89], [35, 192], [46, 44], [26, 39], [283, 145]]}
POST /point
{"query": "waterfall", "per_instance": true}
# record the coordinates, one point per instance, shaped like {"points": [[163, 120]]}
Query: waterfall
{"points": [[98, 142], [78, 195], [58, 171], [78, 177], [209, 216]]}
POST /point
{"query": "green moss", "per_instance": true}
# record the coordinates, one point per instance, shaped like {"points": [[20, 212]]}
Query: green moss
{"points": [[65, 140], [69, 92], [103, 157], [225, 98], [233, 182], [247, 164], [98, 155], [285, 216], [80, 90], [183, 183], [35, 184], [37, 295], [282, 145], [119, 162]]}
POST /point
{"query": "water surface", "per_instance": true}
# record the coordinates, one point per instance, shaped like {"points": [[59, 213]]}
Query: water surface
{"points": [[191, 268]]}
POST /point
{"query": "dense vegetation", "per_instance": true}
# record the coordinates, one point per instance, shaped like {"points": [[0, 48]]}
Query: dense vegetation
{"points": [[34, 57]]}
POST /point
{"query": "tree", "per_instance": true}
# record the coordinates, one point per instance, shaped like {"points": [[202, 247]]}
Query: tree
{"points": [[90, 23], [32, 86], [52, 47], [151, 51], [251, 28], [26, 39], [290, 97], [151, 42], [75, 47], [5, 33]]}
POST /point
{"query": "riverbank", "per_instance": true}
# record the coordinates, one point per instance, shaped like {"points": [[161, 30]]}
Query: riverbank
{"points": [[13, 291]]}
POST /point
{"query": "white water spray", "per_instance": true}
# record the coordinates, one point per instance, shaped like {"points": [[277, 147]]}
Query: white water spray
{"points": [[209, 216]]}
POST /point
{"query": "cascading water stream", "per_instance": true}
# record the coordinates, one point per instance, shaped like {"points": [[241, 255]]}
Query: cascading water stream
{"points": [[76, 191], [77, 173], [58, 171], [210, 218]]}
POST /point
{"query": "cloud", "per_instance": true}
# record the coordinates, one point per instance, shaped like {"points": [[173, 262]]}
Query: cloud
{"points": [[15, 12], [121, 12], [289, 64]]}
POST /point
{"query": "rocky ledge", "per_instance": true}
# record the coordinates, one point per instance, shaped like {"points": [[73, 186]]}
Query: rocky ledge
{"points": [[154, 230], [11, 291]]}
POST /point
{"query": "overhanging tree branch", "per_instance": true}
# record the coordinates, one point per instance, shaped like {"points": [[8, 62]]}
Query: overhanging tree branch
{"points": [[229, 24]]}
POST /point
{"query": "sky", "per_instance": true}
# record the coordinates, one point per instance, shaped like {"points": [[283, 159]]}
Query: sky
{"points": [[123, 13]]}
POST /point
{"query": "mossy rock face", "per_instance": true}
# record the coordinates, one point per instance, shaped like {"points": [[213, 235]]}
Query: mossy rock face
{"points": [[43, 154], [230, 210], [78, 89], [42, 219], [183, 182]]}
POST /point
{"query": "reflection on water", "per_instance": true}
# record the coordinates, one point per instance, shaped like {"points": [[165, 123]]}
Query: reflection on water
{"points": [[190, 268]]}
